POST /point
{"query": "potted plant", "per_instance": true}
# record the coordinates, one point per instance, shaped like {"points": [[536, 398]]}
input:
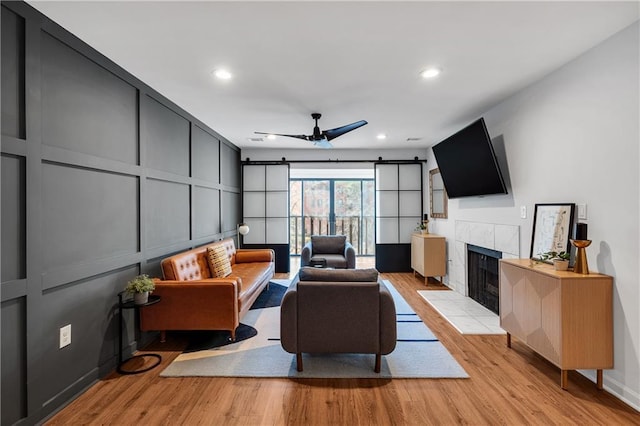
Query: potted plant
{"points": [[140, 287], [422, 227], [560, 259]]}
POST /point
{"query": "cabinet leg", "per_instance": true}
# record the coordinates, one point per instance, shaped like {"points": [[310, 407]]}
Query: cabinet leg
{"points": [[599, 379], [564, 379], [163, 336], [509, 340]]}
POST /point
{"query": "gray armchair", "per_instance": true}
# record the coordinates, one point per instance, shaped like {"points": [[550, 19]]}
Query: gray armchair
{"points": [[336, 251], [338, 311]]}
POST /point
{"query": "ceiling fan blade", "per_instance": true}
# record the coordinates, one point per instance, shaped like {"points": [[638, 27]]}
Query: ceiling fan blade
{"points": [[306, 138], [339, 131]]}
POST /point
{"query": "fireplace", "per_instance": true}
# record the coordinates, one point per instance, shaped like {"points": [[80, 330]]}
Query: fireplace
{"points": [[482, 276]]}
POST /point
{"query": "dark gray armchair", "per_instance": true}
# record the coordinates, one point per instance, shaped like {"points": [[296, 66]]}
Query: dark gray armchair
{"points": [[338, 311], [336, 251]]}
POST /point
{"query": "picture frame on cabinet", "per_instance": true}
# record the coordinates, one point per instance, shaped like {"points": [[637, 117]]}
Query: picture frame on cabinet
{"points": [[552, 224]]}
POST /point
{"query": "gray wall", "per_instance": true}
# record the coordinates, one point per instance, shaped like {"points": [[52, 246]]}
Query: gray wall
{"points": [[101, 178]]}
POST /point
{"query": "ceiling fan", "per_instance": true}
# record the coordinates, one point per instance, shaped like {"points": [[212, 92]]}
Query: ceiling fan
{"points": [[321, 138]]}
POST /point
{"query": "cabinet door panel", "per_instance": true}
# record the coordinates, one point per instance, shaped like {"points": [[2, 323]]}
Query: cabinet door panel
{"points": [[544, 312]]}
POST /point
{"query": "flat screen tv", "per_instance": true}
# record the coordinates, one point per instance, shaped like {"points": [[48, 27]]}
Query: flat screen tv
{"points": [[468, 163]]}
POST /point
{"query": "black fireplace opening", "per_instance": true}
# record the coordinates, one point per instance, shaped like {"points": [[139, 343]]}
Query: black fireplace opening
{"points": [[482, 276]]}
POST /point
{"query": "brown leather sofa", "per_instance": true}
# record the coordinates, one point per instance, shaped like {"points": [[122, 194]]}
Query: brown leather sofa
{"points": [[192, 300], [338, 311]]}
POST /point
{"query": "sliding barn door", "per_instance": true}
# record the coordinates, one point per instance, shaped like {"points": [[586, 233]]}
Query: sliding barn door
{"points": [[265, 207], [398, 212]]}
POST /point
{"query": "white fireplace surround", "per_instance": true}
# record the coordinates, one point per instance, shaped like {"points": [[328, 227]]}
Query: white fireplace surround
{"points": [[503, 238]]}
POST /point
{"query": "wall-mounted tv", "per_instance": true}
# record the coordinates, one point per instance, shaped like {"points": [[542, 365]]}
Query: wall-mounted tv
{"points": [[468, 163]]}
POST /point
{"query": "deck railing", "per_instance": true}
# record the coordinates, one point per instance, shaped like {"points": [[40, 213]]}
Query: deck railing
{"points": [[358, 229]]}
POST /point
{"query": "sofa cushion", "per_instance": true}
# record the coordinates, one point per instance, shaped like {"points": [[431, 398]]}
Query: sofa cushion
{"points": [[219, 261], [309, 273], [328, 244]]}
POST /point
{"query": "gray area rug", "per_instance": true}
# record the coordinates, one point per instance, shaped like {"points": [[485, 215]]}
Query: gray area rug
{"points": [[418, 353]]}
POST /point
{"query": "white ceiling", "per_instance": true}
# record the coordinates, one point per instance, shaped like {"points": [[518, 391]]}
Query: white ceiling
{"points": [[347, 60]]}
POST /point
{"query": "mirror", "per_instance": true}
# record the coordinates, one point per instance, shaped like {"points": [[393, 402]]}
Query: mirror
{"points": [[438, 199]]}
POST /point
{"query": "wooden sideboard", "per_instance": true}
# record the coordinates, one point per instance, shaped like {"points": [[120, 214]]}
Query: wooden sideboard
{"points": [[428, 255], [563, 316]]}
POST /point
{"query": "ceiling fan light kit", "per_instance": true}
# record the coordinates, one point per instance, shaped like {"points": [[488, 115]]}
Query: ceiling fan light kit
{"points": [[430, 72], [321, 138], [222, 74]]}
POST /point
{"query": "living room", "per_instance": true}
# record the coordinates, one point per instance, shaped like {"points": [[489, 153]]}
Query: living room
{"points": [[85, 208]]}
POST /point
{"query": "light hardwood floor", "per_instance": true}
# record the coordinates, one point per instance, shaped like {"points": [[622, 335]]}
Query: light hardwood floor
{"points": [[506, 386]]}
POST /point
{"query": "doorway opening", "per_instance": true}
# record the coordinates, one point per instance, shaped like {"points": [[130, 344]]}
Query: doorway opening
{"points": [[332, 206]]}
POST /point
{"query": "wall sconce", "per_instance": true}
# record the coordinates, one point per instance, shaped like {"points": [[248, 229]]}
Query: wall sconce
{"points": [[242, 229]]}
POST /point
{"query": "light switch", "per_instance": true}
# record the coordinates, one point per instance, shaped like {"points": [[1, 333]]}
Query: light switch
{"points": [[582, 211], [523, 212]]}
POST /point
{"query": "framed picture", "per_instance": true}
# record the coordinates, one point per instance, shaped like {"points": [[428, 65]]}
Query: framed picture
{"points": [[552, 224]]}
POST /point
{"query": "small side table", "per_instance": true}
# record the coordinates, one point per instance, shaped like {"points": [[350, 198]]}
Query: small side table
{"points": [[318, 262], [128, 304]]}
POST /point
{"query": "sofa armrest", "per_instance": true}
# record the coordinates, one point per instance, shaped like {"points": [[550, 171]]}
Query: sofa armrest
{"points": [[289, 318], [185, 303], [305, 255], [388, 326], [255, 255], [350, 255]]}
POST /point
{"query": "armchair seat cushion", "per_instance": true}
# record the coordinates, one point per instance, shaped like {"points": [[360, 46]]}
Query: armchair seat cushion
{"points": [[332, 260]]}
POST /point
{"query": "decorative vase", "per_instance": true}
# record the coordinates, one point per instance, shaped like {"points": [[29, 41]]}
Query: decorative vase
{"points": [[424, 231], [561, 265], [141, 298]]}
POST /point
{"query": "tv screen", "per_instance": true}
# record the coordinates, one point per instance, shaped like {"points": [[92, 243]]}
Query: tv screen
{"points": [[468, 163]]}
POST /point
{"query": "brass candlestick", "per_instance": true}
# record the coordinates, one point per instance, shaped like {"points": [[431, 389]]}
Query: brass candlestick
{"points": [[581, 266]]}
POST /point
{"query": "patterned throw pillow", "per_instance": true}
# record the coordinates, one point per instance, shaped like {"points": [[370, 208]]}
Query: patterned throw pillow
{"points": [[219, 262]]}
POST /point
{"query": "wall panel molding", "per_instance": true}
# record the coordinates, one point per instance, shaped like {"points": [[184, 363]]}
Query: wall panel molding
{"points": [[115, 177]]}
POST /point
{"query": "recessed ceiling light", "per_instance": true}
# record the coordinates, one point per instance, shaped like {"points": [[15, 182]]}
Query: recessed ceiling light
{"points": [[381, 136], [222, 74], [430, 72], [271, 137]]}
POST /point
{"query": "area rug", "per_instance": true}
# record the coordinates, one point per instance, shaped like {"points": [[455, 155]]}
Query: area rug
{"points": [[418, 353], [463, 313]]}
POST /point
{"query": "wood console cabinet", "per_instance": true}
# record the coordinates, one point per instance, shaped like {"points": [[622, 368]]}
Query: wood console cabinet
{"points": [[428, 255], [563, 316]]}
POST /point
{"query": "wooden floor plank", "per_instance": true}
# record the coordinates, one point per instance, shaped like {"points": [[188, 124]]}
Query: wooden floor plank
{"points": [[506, 386]]}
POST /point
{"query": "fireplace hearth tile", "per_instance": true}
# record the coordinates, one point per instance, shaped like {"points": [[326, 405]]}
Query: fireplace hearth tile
{"points": [[463, 313]]}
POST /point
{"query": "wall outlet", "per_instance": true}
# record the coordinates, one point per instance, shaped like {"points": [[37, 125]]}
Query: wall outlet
{"points": [[523, 212], [582, 211], [65, 336]]}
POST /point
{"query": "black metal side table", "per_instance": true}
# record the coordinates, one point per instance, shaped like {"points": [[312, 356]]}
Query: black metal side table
{"points": [[128, 304]]}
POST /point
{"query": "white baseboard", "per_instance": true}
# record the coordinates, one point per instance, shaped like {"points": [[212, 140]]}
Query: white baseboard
{"points": [[615, 388]]}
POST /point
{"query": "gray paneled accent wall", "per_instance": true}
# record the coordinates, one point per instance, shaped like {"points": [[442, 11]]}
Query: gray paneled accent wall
{"points": [[102, 177], [13, 218], [12, 74], [78, 101]]}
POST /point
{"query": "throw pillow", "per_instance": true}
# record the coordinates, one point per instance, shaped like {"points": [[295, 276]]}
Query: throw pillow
{"points": [[219, 262]]}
